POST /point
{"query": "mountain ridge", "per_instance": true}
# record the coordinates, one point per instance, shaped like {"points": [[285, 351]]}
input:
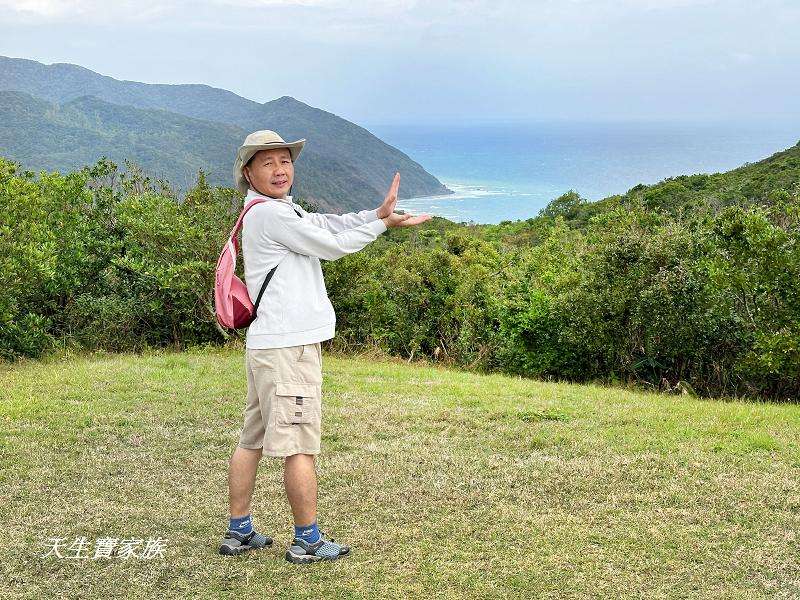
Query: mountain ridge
{"points": [[64, 137], [343, 165]]}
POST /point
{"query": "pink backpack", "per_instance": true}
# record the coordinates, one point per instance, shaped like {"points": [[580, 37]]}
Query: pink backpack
{"points": [[231, 299]]}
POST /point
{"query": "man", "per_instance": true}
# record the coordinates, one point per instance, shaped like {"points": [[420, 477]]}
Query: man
{"points": [[282, 417]]}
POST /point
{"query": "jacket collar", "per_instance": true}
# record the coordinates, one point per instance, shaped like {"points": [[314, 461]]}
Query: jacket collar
{"points": [[251, 193]]}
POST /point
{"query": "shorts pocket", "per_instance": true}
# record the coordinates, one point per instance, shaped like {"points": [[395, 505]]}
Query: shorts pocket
{"points": [[263, 358], [297, 402]]}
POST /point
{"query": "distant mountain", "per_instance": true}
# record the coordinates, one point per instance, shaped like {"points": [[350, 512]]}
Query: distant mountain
{"points": [[342, 167], [66, 137]]}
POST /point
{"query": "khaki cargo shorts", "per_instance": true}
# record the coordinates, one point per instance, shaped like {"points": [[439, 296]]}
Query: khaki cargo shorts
{"points": [[283, 414]]}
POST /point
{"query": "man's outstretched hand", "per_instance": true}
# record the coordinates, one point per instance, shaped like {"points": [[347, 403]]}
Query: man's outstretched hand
{"points": [[393, 219]]}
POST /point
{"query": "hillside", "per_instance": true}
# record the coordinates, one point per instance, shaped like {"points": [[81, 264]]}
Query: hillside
{"points": [[344, 166], [446, 484], [66, 137], [764, 182]]}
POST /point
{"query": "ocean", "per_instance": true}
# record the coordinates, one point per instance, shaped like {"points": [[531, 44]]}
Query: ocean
{"points": [[510, 171]]}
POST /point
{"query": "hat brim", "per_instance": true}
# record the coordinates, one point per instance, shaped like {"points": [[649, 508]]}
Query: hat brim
{"points": [[246, 152]]}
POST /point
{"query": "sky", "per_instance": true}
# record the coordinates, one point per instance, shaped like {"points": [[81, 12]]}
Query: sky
{"points": [[441, 61]]}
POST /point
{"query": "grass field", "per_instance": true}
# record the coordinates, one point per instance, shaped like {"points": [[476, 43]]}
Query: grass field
{"points": [[446, 484]]}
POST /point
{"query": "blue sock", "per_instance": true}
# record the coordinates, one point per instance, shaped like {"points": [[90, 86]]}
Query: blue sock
{"points": [[243, 525], [309, 533]]}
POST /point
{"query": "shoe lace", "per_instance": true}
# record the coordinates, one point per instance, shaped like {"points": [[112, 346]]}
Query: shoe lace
{"points": [[324, 537]]}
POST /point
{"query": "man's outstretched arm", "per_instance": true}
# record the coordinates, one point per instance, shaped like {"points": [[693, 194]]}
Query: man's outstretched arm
{"points": [[300, 235], [338, 223]]}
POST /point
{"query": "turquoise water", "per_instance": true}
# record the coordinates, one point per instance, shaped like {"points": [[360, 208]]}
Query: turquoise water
{"points": [[510, 171]]}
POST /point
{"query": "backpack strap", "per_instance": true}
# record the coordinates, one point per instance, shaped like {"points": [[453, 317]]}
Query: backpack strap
{"points": [[233, 238], [263, 287]]}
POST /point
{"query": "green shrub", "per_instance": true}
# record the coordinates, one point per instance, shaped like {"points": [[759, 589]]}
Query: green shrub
{"points": [[680, 286]]}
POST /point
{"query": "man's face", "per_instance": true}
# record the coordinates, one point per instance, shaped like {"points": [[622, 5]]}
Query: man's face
{"points": [[271, 172]]}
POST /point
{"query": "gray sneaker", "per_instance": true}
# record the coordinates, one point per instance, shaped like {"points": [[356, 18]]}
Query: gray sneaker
{"points": [[301, 552], [236, 543]]}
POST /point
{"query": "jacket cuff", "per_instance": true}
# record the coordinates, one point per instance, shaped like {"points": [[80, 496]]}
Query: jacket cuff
{"points": [[372, 215], [377, 227]]}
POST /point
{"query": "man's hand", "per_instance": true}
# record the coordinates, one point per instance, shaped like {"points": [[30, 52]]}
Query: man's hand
{"points": [[393, 219], [406, 220], [387, 208]]}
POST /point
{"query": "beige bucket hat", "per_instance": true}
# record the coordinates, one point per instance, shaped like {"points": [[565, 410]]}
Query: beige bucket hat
{"points": [[260, 140]]}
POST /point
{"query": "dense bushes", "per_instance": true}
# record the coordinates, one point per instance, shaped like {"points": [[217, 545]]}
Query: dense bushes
{"points": [[98, 261], [439, 298], [622, 291], [711, 305]]}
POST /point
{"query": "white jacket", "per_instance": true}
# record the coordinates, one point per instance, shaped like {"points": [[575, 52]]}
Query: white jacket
{"points": [[295, 308]]}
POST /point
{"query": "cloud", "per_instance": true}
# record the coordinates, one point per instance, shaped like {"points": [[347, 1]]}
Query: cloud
{"points": [[143, 10], [43, 8], [424, 57], [38, 11]]}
